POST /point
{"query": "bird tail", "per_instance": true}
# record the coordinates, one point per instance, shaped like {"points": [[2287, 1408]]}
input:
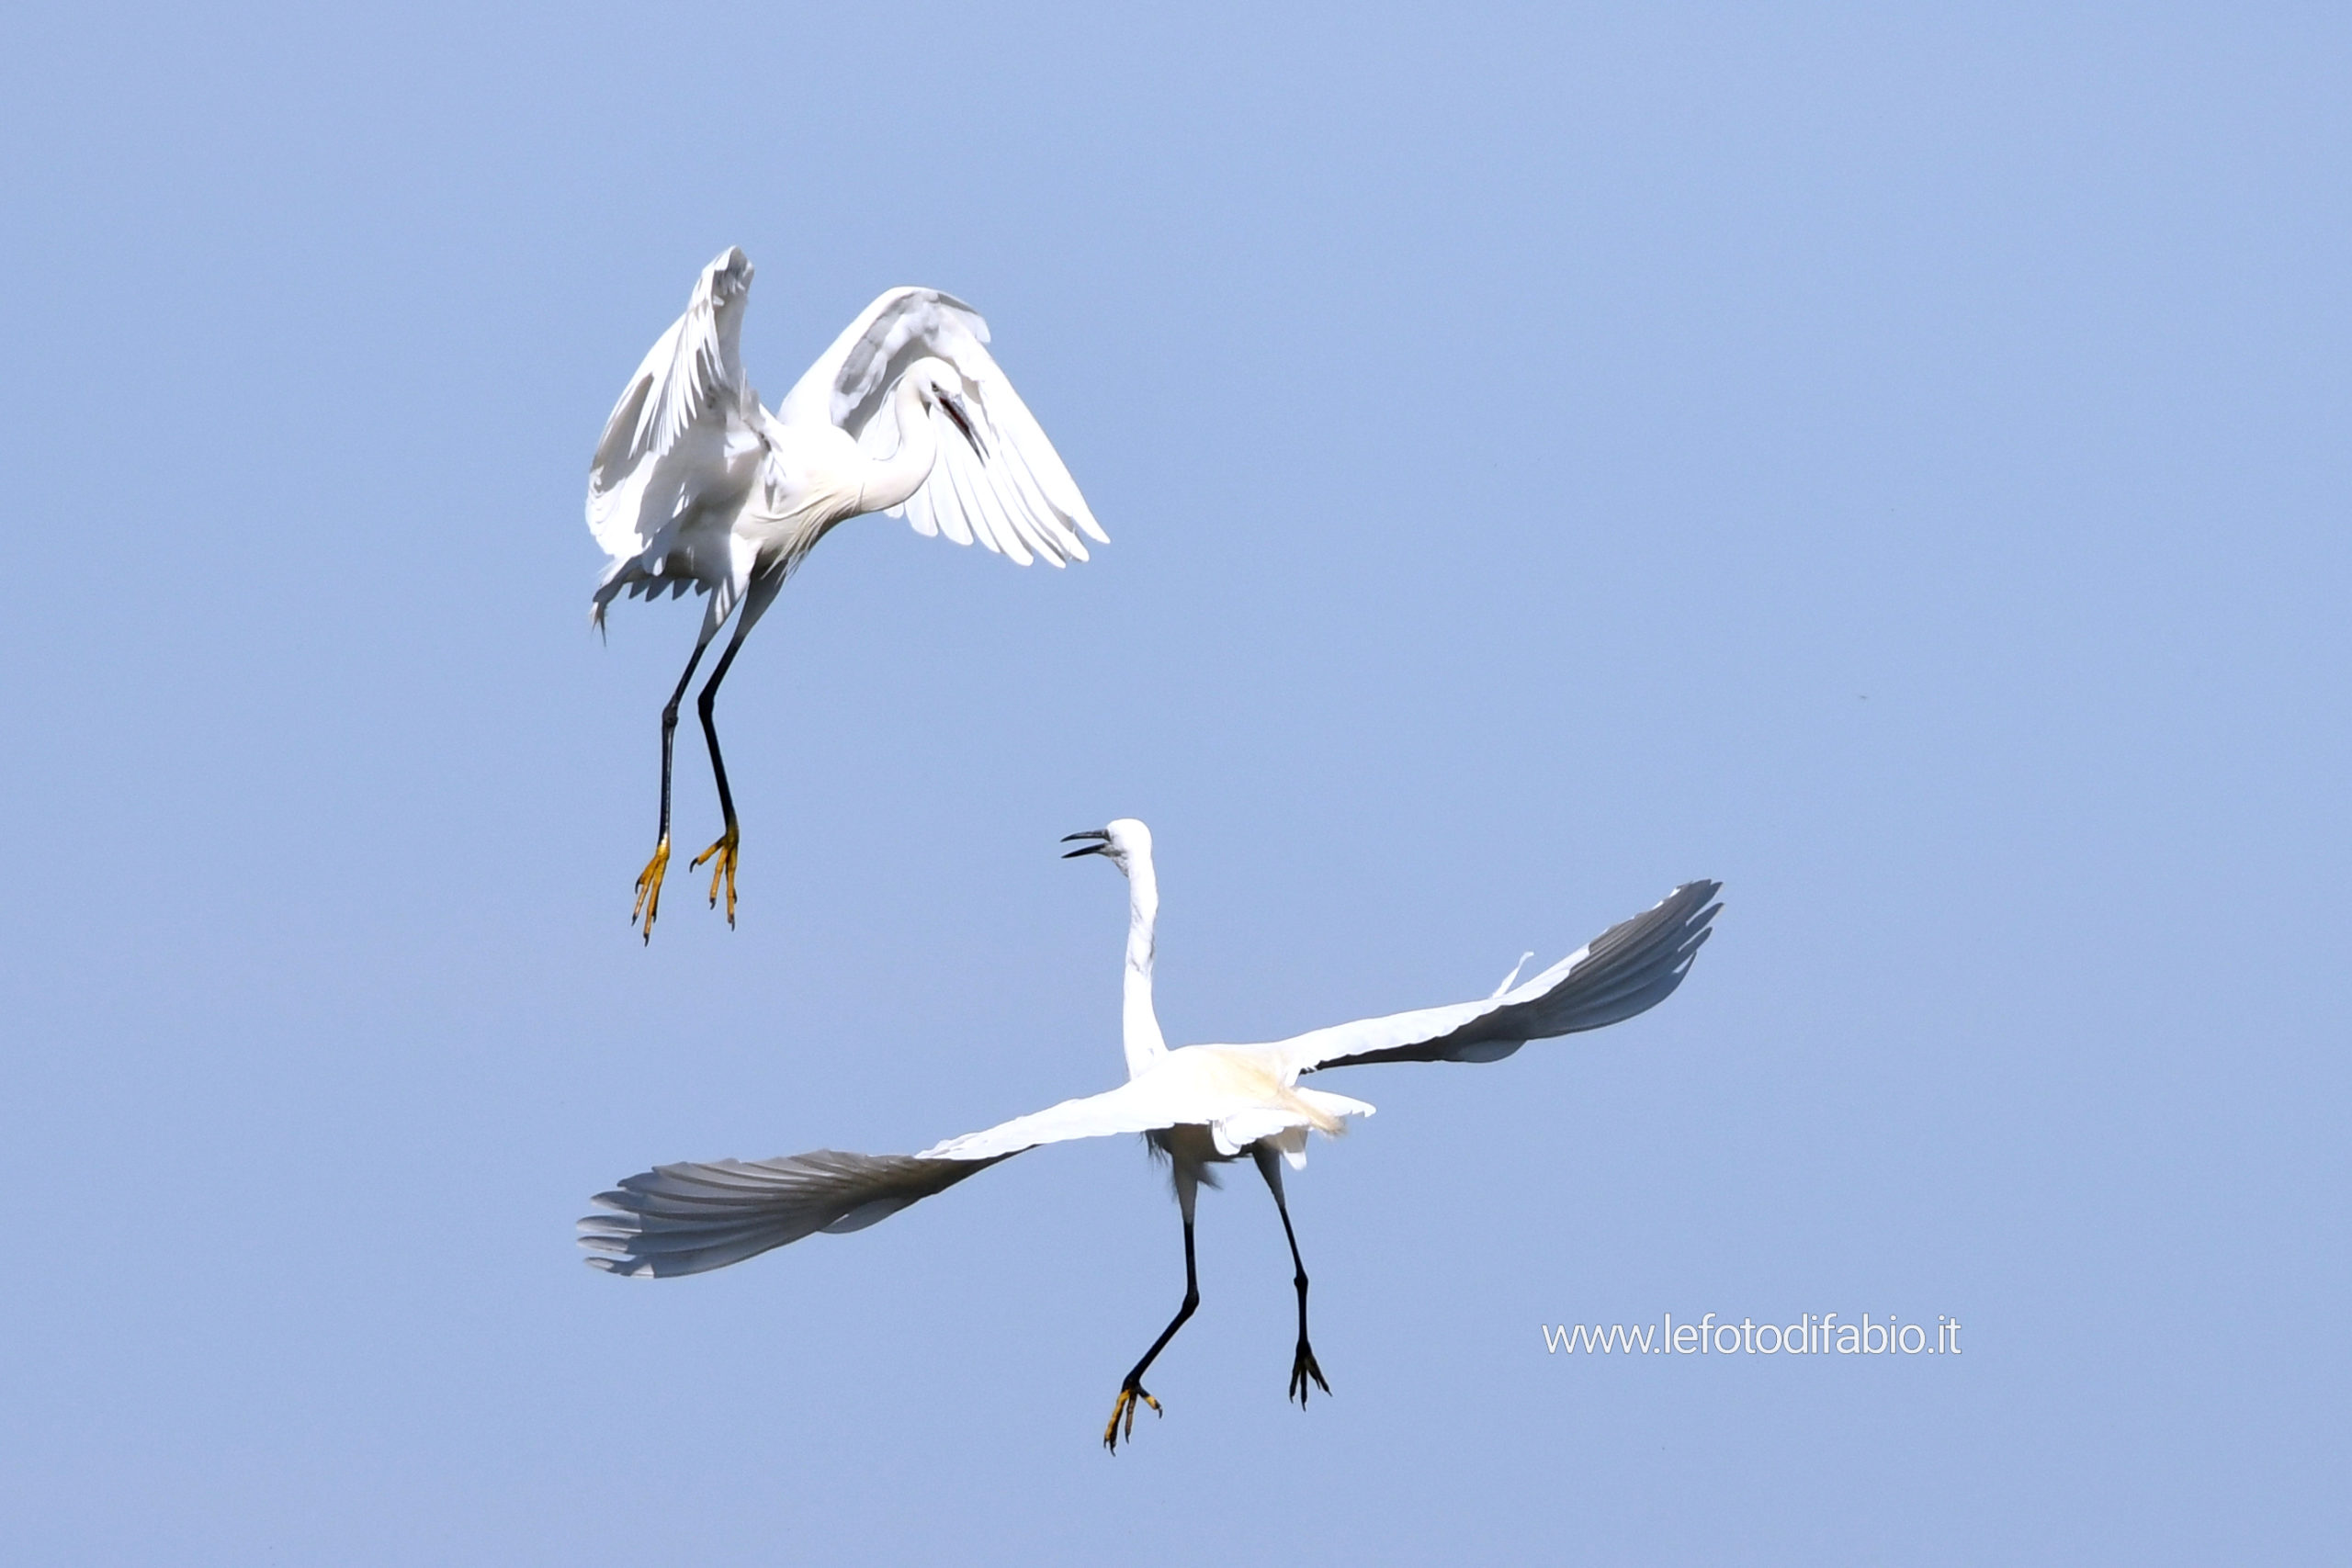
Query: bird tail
{"points": [[686, 1219]]}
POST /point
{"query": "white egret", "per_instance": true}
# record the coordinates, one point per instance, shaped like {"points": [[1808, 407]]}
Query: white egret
{"points": [[695, 484], [1199, 1106]]}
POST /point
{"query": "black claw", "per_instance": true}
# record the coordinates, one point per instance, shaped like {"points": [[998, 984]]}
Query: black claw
{"points": [[1303, 1367]]}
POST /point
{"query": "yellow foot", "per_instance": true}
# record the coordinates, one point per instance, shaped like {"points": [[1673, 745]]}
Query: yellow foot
{"points": [[1303, 1367], [723, 871], [649, 888], [1131, 1396]]}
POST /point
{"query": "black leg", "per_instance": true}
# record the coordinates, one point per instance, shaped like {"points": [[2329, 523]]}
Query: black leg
{"points": [[703, 705], [724, 850], [649, 881], [757, 597], [1302, 1365], [669, 731], [1131, 1391]]}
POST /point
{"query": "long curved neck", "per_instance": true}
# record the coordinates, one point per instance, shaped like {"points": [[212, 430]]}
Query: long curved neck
{"points": [[1139, 1026], [888, 481]]}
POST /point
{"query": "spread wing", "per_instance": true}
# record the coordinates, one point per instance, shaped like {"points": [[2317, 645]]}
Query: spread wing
{"points": [[1629, 968], [664, 443], [1142, 1105], [684, 1219], [998, 480]]}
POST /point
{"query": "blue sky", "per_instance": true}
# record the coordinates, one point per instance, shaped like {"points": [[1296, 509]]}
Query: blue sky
{"points": [[1894, 465]]}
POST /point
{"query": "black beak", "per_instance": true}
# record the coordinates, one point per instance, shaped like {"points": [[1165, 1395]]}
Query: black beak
{"points": [[1101, 846], [952, 406]]}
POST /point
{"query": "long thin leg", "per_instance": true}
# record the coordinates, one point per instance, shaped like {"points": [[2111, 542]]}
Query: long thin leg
{"points": [[724, 848], [1131, 1391], [756, 599], [1302, 1365], [649, 881]]}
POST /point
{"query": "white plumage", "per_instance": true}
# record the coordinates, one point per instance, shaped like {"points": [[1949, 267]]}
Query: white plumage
{"points": [[695, 485], [1199, 1105]]}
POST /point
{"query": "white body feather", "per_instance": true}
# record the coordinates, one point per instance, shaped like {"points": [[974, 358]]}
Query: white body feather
{"points": [[695, 485]]}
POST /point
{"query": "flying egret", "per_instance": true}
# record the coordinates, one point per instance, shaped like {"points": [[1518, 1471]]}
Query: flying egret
{"points": [[1199, 1106], [695, 484]]}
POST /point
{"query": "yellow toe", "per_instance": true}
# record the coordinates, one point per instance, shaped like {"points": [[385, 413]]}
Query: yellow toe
{"points": [[725, 852], [649, 888]]}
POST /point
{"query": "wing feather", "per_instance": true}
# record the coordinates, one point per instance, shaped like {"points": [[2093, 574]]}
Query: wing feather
{"points": [[1133, 1106], [1055, 534], [944, 505], [686, 1219], [1627, 969], [693, 371], [988, 478], [1010, 490], [1015, 468], [945, 491], [919, 517], [1059, 489], [1005, 501], [954, 469]]}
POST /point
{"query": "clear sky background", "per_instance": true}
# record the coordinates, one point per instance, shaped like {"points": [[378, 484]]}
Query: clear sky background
{"points": [[1898, 467]]}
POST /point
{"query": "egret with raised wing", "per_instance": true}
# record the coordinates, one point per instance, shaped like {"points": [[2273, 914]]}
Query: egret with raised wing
{"points": [[695, 485], [1199, 1106]]}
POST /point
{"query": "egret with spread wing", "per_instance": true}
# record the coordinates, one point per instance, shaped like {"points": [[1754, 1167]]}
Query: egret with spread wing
{"points": [[1200, 1106], [695, 485]]}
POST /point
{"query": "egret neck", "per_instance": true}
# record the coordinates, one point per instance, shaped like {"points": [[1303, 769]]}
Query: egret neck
{"points": [[888, 481], [1139, 1026]]}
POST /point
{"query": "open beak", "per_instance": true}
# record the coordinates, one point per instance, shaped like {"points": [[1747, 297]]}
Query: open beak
{"points": [[952, 406], [1101, 844]]}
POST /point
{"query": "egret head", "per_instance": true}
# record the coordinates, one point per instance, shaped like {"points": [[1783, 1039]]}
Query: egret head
{"points": [[941, 386], [1123, 843]]}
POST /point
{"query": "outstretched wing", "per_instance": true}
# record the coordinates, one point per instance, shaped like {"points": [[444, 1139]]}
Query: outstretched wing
{"points": [[1629, 968], [998, 479], [1135, 1107], [684, 1219], [676, 405]]}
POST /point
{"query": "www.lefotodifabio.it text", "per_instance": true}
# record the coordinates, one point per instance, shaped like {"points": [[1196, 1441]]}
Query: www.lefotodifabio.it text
{"points": [[1810, 1335]]}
